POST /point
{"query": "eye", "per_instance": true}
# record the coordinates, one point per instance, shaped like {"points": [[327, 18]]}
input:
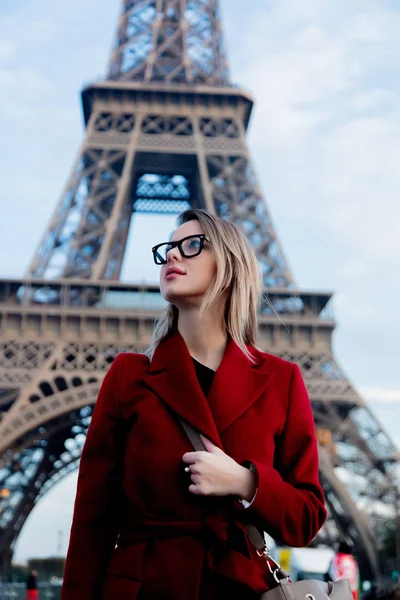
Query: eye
{"points": [[191, 246], [194, 244]]}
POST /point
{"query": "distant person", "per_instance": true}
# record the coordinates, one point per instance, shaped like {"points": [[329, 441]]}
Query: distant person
{"points": [[32, 592], [344, 566]]}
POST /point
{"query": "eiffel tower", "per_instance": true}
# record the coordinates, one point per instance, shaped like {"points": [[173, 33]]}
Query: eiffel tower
{"points": [[165, 131]]}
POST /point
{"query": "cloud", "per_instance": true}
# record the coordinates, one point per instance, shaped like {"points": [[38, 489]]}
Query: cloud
{"points": [[22, 86], [292, 81], [22, 27], [30, 80], [298, 62], [372, 99], [381, 394], [7, 49], [326, 137]]}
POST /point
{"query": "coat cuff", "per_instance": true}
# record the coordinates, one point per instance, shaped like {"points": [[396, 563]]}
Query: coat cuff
{"points": [[246, 503], [282, 511], [249, 465]]}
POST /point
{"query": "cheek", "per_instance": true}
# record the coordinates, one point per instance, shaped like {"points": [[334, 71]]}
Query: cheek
{"points": [[162, 281], [207, 271]]}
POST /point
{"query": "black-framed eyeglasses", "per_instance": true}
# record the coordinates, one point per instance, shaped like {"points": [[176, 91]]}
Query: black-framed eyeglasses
{"points": [[189, 246]]}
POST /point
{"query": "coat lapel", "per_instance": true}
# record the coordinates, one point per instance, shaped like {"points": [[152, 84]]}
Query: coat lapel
{"points": [[172, 376], [237, 384]]}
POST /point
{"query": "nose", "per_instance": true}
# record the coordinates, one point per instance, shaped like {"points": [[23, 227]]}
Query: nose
{"points": [[174, 255]]}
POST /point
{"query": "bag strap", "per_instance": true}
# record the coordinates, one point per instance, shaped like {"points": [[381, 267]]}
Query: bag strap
{"points": [[252, 532]]}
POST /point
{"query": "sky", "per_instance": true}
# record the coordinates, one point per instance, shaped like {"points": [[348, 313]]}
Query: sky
{"points": [[324, 138]]}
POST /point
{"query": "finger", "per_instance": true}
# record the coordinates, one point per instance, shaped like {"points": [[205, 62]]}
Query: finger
{"points": [[194, 489], [210, 446], [191, 457]]}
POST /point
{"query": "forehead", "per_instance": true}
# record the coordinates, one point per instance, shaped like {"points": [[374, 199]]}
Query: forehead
{"points": [[189, 228]]}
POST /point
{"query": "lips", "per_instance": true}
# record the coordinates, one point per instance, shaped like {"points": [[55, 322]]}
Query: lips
{"points": [[173, 271]]}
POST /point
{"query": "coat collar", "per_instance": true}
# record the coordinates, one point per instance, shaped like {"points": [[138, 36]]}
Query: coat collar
{"points": [[236, 386]]}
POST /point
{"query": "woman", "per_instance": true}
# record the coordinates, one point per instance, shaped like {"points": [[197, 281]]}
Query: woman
{"points": [[155, 519]]}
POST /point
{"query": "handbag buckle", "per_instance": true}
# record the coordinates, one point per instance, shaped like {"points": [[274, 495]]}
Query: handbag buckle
{"points": [[274, 571]]}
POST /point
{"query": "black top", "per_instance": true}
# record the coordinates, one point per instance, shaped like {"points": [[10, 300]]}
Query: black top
{"points": [[31, 583], [205, 376]]}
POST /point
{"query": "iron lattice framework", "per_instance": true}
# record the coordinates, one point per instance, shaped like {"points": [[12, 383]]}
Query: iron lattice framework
{"points": [[164, 132], [169, 41]]}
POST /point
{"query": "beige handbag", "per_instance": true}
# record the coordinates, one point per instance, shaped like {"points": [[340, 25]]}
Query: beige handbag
{"points": [[310, 589]]}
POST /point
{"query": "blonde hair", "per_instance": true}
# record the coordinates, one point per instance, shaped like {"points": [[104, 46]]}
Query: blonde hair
{"points": [[237, 272]]}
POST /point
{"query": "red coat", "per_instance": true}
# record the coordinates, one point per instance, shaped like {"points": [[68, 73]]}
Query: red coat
{"points": [[172, 543]]}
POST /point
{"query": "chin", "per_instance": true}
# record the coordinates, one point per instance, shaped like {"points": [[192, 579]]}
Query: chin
{"points": [[179, 297], [173, 297], [169, 293]]}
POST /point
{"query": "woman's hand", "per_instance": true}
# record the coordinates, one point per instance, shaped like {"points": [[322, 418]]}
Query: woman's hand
{"points": [[214, 473]]}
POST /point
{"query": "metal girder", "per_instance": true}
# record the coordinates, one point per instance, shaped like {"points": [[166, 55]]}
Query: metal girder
{"points": [[53, 453], [87, 235], [169, 41], [58, 382]]}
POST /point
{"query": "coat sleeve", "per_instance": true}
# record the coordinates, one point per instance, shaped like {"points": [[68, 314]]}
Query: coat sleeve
{"points": [[94, 525], [289, 503]]}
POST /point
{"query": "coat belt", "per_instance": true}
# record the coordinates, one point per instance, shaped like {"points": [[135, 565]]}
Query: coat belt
{"points": [[213, 531]]}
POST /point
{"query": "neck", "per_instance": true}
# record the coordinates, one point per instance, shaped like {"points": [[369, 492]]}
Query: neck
{"points": [[205, 336]]}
